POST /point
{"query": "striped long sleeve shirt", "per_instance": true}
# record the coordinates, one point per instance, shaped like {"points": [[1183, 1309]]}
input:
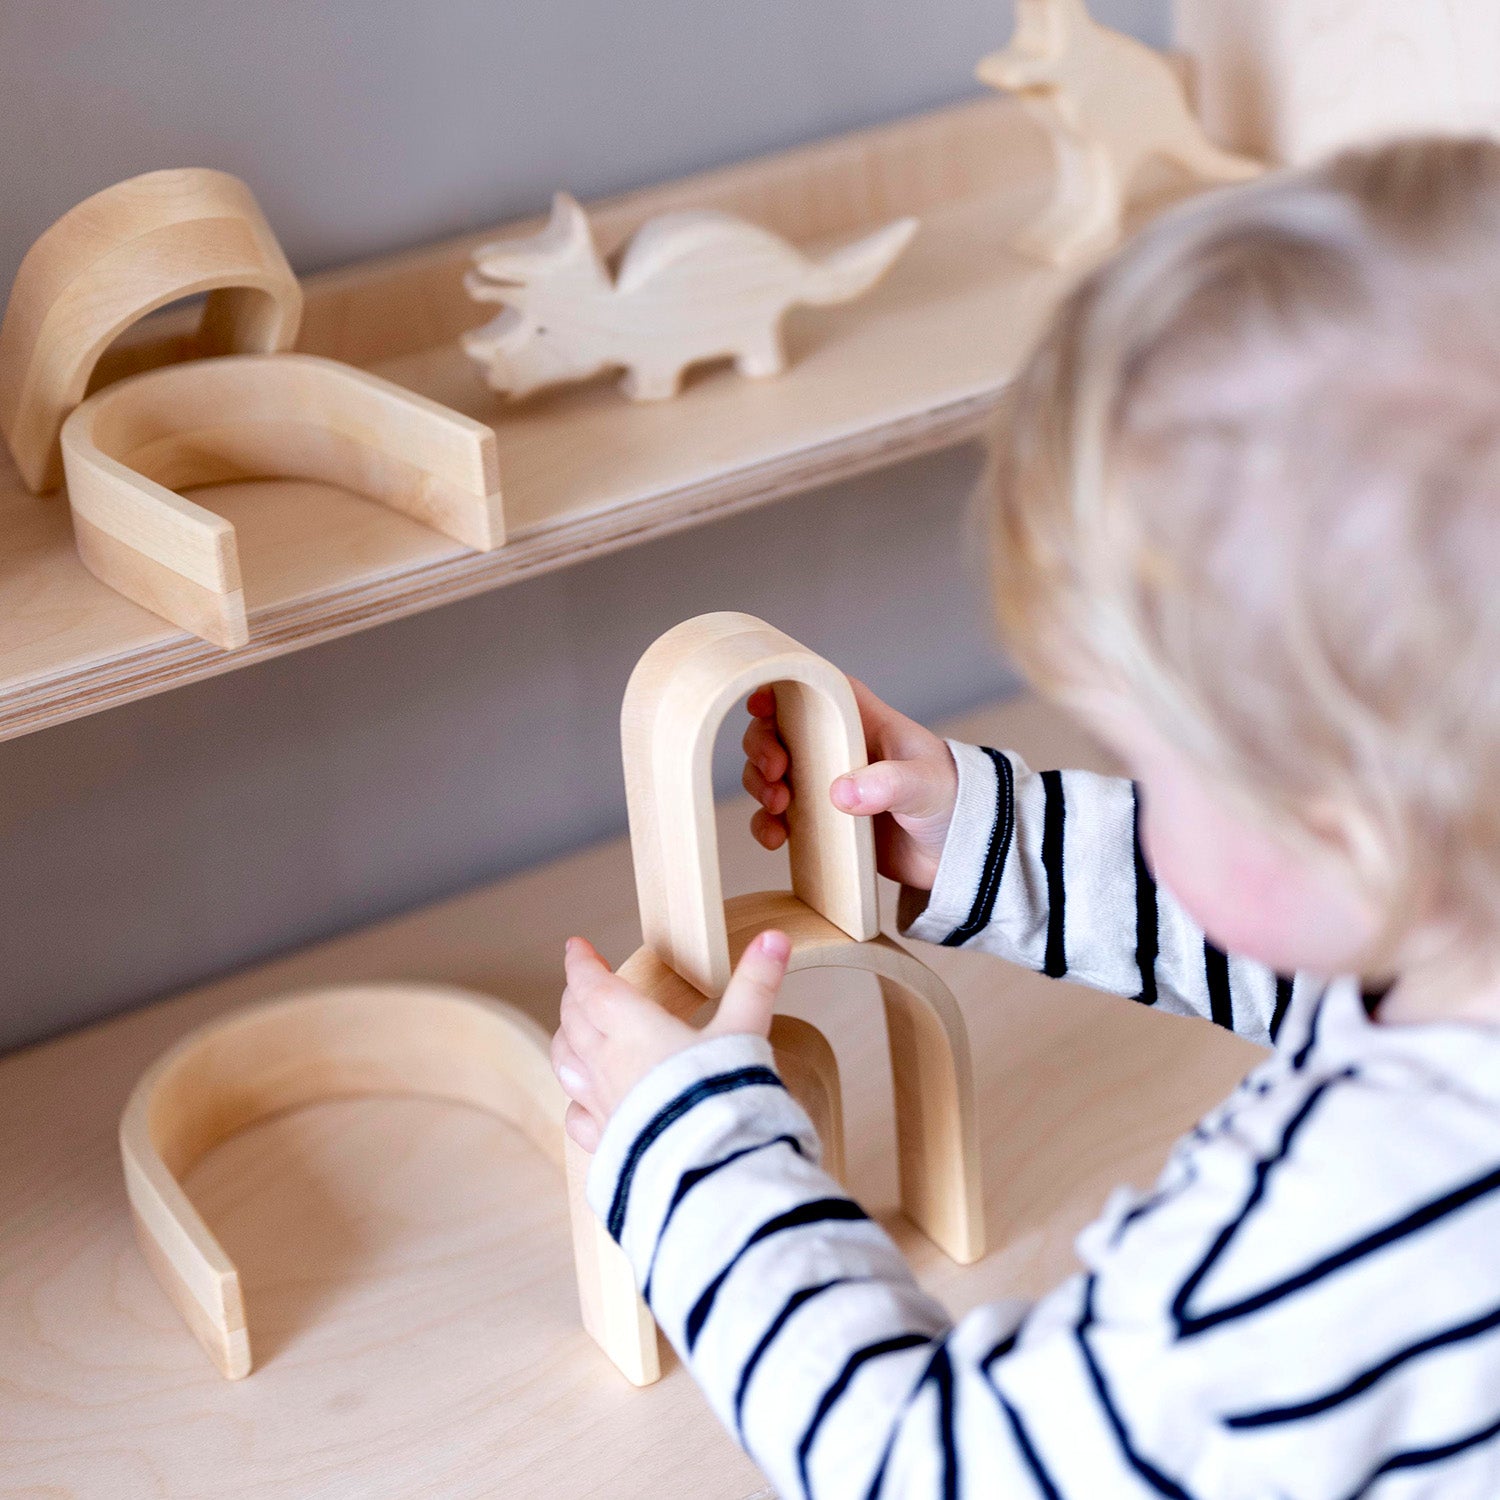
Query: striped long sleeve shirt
{"points": [[1305, 1305]]}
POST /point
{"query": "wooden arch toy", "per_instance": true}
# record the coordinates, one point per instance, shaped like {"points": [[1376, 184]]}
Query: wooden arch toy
{"points": [[351, 1041], [114, 258], [290, 416], [676, 700]]}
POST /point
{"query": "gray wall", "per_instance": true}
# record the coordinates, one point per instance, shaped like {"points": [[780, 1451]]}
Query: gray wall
{"points": [[154, 845]]}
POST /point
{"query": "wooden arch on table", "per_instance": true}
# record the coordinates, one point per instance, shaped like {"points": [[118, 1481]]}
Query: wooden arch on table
{"points": [[675, 702], [109, 261], [286, 416], [352, 1041]]}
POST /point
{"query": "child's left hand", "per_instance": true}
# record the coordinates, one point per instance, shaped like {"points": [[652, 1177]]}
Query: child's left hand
{"points": [[612, 1036]]}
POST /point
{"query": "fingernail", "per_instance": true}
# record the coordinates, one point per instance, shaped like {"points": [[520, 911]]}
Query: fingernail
{"points": [[571, 1080], [776, 945], [846, 792]]}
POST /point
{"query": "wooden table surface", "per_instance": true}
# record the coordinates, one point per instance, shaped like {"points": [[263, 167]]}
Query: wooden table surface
{"points": [[407, 1263]]}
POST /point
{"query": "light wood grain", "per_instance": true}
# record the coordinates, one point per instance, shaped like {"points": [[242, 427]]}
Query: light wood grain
{"points": [[129, 447], [406, 1262], [1109, 104], [1292, 80], [693, 286], [112, 259], [918, 364], [678, 696]]}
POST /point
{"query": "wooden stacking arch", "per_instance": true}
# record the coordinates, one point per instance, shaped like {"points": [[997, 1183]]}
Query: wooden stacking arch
{"points": [[290, 416], [406, 1039], [675, 702], [109, 261]]}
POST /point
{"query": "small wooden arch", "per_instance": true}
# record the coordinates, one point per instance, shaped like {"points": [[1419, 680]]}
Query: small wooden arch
{"points": [[675, 701], [291, 416], [406, 1039], [109, 261]]}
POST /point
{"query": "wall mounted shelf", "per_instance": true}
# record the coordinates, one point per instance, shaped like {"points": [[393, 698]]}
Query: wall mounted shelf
{"points": [[918, 366]]}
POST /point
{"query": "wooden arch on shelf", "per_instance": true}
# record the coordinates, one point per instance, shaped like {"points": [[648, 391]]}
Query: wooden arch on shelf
{"points": [[286, 416], [353, 1041], [675, 702], [109, 261]]}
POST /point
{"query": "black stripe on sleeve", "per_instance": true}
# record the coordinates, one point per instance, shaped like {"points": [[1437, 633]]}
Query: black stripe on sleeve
{"points": [[689, 1180], [666, 1117], [1055, 965], [1162, 1483], [1216, 976], [1296, 1412], [1417, 1458], [1024, 1445], [982, 911], [819, 1211], [796, 1300], [830, 1397], [1413, 1223], [1283, 999], [1147, 920]]}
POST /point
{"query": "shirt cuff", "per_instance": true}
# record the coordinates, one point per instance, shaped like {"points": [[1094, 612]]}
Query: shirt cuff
{"points": [[693, 1108], [969, 867]]}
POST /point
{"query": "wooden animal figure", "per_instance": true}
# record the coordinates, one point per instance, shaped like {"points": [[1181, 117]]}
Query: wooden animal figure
{"points": [[675, 702], [1109, 104], [690, 287]]}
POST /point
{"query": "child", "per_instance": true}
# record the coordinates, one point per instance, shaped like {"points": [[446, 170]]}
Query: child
{"points": [[1248, 526]]}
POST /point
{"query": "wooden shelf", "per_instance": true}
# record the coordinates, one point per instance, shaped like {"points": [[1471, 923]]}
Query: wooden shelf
{"points": [[406, 1263], [917, 365]]}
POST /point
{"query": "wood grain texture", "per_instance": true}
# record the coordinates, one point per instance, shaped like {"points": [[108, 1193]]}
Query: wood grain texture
{"points": [[131, 446], [678, 696], [693, 286], [1109, 105], [112, 259], [1291, 80], [406, 1262], [919, 364]]}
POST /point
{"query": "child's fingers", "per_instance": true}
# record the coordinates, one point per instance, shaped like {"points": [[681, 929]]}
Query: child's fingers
{"points": [[571, 1071], [583, 1036], [583, 1127], [761, 704], [768, 831], [911, 788], [774, 796], [750, 999], [764, 750]]}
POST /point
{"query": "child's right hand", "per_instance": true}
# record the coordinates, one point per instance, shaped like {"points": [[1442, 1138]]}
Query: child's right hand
{"points": [[910, 786]]}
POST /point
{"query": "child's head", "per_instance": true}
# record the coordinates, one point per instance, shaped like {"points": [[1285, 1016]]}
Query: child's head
{"points": [[1249, 524]]}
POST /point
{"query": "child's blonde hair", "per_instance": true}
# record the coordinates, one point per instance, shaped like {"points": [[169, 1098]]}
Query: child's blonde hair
{"points": [[1251, 480]]}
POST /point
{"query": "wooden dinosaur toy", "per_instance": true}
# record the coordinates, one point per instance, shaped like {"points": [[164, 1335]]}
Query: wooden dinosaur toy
{"points": [[690, 286], [1109, 103]]}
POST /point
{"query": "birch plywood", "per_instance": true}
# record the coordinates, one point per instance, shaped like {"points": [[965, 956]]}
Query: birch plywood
{"points": [[917, 364], [1292, 80], [407, 1261], [128, 448], [114, 258]]}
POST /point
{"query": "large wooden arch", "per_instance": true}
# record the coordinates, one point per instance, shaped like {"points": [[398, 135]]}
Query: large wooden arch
{"points": [[932, 1073], [110, 260], [433, 1041], [675, 702], [129, 447]]}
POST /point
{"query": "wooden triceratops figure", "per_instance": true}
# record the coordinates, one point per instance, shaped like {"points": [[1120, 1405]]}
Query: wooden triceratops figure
{"points": [[1109, 103], [690, 286]]}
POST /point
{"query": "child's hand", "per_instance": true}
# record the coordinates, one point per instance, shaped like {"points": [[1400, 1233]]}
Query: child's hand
{"points": [[910, 785], [612, 1036]]}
